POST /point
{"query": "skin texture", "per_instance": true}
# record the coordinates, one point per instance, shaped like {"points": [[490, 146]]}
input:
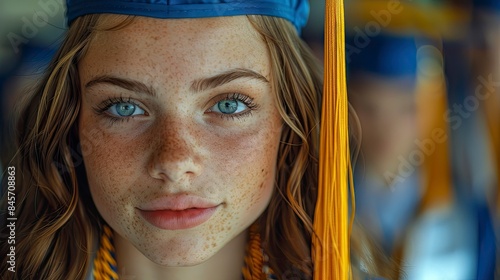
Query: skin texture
{"points": [[386, 110], [178, 144]]}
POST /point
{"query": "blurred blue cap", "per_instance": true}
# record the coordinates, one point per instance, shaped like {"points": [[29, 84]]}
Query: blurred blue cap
{"points": [[491, 5], [390, 56], [295, 11]]}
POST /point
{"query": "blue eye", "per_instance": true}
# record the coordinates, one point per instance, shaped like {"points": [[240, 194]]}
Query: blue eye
{"points": [[125, 109], [229, 106]]}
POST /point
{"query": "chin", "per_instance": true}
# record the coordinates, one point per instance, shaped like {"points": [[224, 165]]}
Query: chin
{"points": [[173, 262], [177, 259], [181, 250]]}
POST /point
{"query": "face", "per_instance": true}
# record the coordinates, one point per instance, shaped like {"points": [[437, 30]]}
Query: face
{"points": [[386, 110], [186, 133]]}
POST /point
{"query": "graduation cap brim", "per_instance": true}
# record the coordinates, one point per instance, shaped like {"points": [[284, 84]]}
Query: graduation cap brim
{"points": [[295, 11]]}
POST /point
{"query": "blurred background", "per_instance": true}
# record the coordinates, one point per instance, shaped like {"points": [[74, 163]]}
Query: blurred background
{"points": [[424, 80]]}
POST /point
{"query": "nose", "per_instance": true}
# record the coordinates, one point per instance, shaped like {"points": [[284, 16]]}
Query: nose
{"points": [[175, 156]]}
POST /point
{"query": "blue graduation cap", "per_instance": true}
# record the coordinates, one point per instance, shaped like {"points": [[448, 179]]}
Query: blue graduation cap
{"points": [[385, 55], [295, 11]]}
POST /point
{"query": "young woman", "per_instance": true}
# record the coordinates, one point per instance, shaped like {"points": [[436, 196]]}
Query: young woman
{"points": [[178, 148]]}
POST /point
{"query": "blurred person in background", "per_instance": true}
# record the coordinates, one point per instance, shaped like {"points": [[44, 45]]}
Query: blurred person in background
{"points": [[405, 196], [486, 81], [381, 87], [486, 58]]}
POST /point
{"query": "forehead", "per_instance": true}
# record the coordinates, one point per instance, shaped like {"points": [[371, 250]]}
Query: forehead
{"points": [[192, 47]]}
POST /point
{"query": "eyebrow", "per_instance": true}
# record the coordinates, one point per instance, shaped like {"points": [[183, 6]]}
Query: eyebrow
{"points": [[197, 85], [127, 84], [224, 78]]}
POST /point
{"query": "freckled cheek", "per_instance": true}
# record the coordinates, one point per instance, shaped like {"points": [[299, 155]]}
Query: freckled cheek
{"points": [[112, 166], [248, 166], [258, 198]]}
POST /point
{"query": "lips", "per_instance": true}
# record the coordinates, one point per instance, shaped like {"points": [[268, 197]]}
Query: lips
{"points": [[178, 219], [177, 212]]}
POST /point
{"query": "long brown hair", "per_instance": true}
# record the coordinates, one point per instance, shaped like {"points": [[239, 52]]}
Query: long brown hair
{"points": [[58, 224], [297, 78]]}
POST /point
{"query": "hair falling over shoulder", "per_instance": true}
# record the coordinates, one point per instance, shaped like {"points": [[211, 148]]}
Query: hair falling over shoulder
{"points": [[57, 223], [297, 80]]}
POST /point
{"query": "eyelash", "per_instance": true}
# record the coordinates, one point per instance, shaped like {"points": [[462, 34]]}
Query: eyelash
{"points": [[106, 104], [245, 99]]}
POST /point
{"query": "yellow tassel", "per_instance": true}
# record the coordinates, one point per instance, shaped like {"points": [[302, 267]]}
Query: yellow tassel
{"points": [[331, 226]]}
